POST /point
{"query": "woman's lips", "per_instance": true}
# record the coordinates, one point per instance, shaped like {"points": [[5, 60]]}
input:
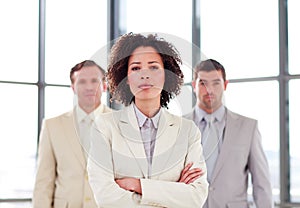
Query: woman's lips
{"points": [[145, 86]]}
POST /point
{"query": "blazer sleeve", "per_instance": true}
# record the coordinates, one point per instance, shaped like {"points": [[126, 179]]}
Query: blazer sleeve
{"points": [[156, 193], [175, 194], [259, 169], [101, 176], [45, 175]]}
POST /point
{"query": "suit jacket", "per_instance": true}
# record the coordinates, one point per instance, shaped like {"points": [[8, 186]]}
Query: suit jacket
{"points": [[61, 177], [241, 153], [118, 151]]}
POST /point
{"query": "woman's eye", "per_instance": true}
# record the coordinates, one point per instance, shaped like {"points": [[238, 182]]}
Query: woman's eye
{"points": [[154, 67], [95, 80], [135, 68]]}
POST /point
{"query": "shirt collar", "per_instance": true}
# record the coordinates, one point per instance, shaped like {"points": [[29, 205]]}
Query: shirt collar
{"points": [[81, 114], [218, 114], [141, 118]]}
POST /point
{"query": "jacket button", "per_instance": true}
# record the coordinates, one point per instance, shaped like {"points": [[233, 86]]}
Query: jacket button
{"points": [[87, 199]]}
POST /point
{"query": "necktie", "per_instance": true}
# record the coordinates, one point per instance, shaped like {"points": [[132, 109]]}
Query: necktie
{"points": [[85, 129], [146, 134], [210, 145]]}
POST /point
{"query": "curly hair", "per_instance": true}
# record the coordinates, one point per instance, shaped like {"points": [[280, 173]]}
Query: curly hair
{"points": [[118, 66]]}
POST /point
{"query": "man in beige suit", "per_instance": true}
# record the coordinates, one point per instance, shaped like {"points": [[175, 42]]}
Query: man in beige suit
{"points": [[237, 151], [61, 177]]}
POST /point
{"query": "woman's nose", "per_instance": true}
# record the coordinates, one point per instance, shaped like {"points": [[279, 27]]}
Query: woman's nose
{"points": [[145, 74], [145, 77]]}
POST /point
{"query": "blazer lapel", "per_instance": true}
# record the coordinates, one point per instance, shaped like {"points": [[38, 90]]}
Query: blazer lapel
{"points": [[129, 129], [72, 136], [229, 134], [164, 155]]}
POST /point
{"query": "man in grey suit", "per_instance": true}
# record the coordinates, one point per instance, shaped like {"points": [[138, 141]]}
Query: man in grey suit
{"points": [[237, 151]]}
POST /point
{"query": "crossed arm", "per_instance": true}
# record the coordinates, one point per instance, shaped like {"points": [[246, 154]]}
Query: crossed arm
{"points": [[173, 187], [187, 176]]}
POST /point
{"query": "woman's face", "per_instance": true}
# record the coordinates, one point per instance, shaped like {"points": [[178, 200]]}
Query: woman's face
{"points": [[146, 74]]}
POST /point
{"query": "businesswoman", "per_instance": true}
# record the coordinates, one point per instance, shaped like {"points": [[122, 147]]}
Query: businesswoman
{"points": [[142, 155]]}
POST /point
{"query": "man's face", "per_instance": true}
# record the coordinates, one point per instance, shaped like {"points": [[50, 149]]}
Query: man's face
{"points": [[209, 88], [88, 85]]}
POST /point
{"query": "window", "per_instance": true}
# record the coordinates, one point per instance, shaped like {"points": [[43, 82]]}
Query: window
{"points": [[294, 85], [293, 36], [19, 53], [19, 59], [240, 40], [75, 31], [18, 140], [63, 97]]}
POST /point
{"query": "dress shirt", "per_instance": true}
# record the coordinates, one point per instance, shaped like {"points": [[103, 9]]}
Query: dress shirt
{"points": [[219, 115], [81, 114], [83, 123], [148, 131]]}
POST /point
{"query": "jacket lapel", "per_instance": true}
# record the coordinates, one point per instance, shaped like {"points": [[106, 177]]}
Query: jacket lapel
{"points": [[129, 129], [165, 144], [229, 134], [72, 135]]}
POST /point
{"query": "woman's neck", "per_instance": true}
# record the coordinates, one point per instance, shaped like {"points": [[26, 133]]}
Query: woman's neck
{"points": [[148, 107]]}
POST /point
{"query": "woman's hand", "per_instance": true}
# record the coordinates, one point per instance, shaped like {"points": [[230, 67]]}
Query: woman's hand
{"points": [[189, 175], [130, 184]]}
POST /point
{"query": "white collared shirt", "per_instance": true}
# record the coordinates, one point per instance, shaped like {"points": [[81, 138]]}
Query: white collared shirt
{"points": [[81, 114], [84, 123]]}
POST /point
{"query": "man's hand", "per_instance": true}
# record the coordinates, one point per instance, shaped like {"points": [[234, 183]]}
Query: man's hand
{"points": [[130, 184], [189, 175]]}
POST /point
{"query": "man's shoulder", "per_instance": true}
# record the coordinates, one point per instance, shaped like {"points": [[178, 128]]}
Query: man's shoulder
{"points": [[59, 117], [238, 115], [108, 114]]}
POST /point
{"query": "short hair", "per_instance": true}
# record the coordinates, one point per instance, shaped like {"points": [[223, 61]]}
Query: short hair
{"points": [[118, 66], [209, 65], [82, 64]]}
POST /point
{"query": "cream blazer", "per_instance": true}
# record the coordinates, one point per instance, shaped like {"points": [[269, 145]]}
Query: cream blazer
{"points": [[61, 176], [117, 151], [241, 155]]}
